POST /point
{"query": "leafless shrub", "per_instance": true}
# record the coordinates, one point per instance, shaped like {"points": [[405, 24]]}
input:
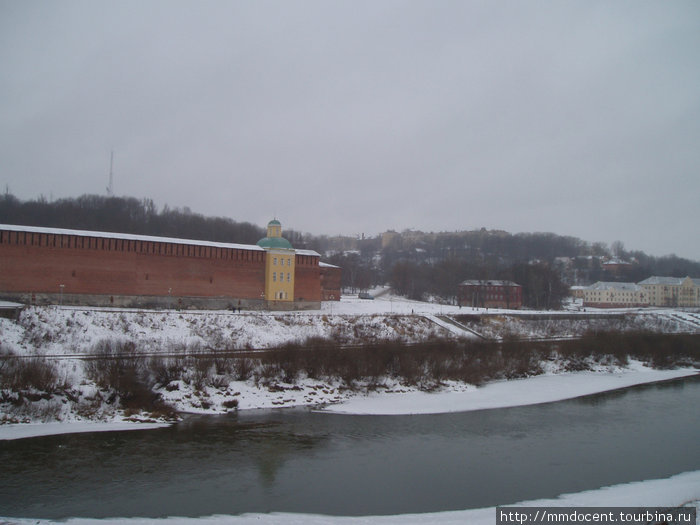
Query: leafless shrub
{"points": [[230, 403], [201, 367], [28, 410], [428, 364], [165, 370], [242, 369], [91, 407], [116, 367], [6, 357], [33, 373]]}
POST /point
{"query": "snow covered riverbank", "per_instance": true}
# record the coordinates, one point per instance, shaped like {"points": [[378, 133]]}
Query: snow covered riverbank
{"points": [[28, 430], [454, 397], [55, 341], [502, 394]]}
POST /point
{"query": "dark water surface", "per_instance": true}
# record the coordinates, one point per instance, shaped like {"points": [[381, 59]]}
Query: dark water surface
{"points": [[302, 461]]}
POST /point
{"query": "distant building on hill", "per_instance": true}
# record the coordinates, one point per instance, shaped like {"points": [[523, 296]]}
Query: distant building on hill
{"points": [[672, 291], [390, 238], [490, 294], [616, 266], [615, 295], [56, 266], [655, 291], [577, 292]]}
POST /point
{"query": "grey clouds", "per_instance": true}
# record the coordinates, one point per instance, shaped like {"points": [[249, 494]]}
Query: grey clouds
{"points": [[576, 117]]}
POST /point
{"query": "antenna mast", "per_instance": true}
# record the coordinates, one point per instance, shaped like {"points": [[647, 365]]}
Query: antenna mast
{"points": [[110, 188]]}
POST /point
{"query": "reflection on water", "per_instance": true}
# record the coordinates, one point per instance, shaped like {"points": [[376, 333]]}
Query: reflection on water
{"points": [[302, 461]]}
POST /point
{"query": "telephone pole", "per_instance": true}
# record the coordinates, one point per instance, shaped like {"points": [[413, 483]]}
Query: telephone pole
{"points": [[110, 187]]}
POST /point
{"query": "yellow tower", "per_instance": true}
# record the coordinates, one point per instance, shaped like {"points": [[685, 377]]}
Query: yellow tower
{"points": [[279, 264]]}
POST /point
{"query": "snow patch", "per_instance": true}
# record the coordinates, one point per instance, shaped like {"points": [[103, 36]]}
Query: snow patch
{"points": [[502, 394]]}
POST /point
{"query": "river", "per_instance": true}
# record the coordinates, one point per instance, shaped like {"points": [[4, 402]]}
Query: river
{"points": [[297, 460]]}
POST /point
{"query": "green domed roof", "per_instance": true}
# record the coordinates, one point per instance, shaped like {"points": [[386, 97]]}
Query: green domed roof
{"points": [[274, 237], [275, 242]]}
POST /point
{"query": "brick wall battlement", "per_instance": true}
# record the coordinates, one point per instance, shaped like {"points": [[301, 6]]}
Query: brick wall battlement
{"points": [[52, 264]]}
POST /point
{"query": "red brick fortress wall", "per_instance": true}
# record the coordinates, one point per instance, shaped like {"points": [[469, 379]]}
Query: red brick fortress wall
{"points": [[39, 263], [307, 278], [330, 282]]}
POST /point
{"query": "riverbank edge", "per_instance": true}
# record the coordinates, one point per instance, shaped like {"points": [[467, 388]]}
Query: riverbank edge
{"points": [[679, 490], [455, 397], [534, 390]]}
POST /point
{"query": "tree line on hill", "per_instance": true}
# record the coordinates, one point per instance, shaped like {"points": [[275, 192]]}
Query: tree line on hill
{"points": [[125, 215], [544, 264], [416, 264]]}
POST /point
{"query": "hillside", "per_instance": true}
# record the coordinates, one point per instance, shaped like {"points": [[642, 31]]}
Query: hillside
{"points": [[76, 364]]}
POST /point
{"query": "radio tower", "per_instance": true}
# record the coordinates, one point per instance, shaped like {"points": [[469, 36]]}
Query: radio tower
{"points": [[110, 187]]}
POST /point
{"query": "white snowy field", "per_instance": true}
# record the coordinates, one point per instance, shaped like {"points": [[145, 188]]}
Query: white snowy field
{"points": [[679, 490], [67, 332]]}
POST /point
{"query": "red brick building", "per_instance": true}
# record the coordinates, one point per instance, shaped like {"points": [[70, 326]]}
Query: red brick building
{"points": [[52, 266], [490, 294], [330, 282]]}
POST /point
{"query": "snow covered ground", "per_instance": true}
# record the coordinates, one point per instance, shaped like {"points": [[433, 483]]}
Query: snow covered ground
{"points": [[63, 334], [454, 397], [501, 394], [71, 330], [27, 430], [679, 490]]}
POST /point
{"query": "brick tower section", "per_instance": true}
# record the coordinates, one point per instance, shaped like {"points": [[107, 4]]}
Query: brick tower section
{"points": [[307, 284]]}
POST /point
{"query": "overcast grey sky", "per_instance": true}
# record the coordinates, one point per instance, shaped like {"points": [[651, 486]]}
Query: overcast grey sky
{"points": [[345, 117]]}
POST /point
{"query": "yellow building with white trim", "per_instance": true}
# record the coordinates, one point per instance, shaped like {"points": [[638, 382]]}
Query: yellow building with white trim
{"points": [[279, 264]]}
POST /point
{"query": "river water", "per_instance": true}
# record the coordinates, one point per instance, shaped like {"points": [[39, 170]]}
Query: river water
{"points": [[297, 460]]}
